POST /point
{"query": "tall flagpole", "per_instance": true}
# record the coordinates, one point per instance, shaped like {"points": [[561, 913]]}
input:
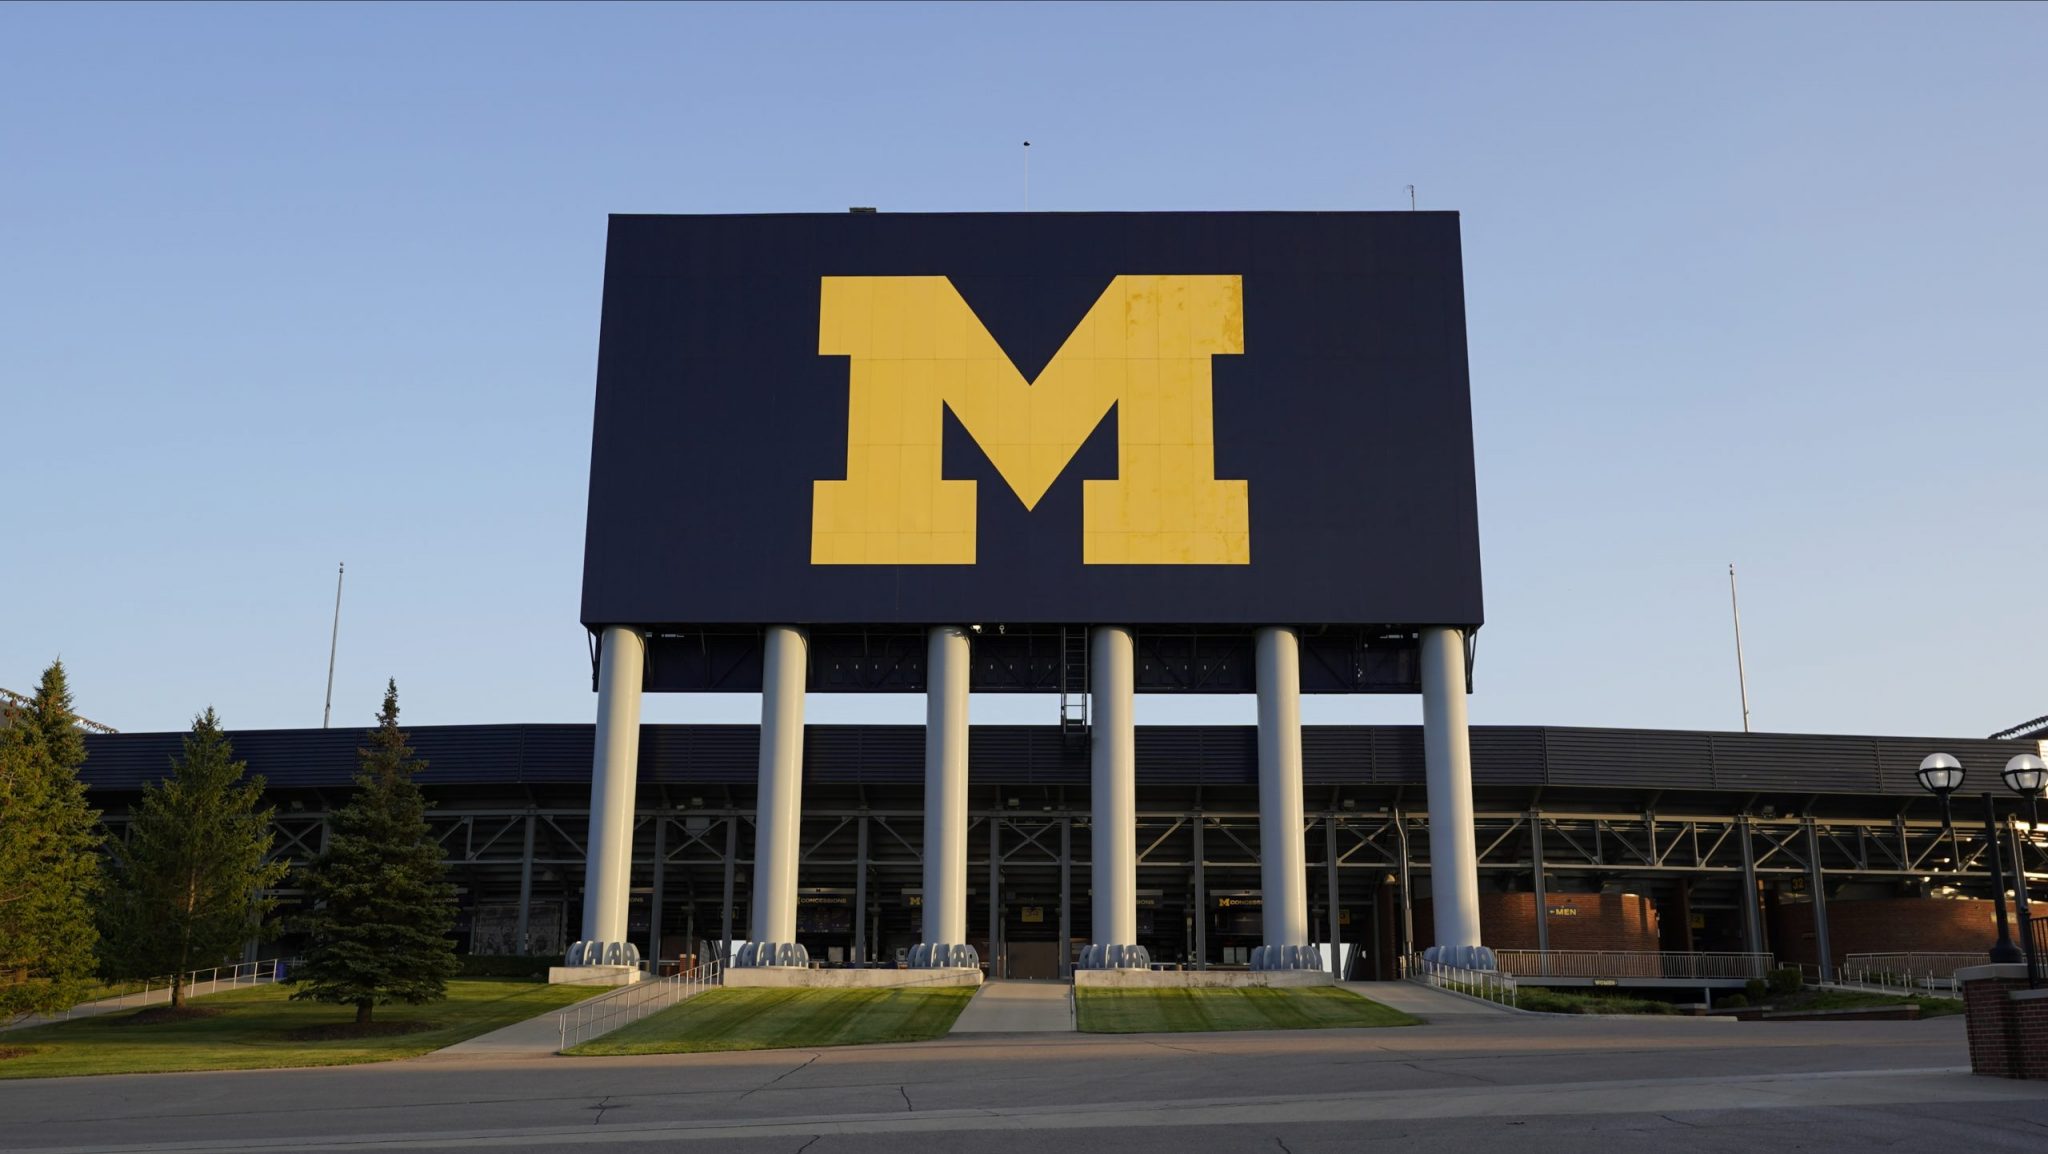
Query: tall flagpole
{"points": [[327, 713], [1741, 677]]}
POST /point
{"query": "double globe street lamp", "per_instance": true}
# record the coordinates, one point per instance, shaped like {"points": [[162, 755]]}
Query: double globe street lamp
{"points": [[2026, 775]]}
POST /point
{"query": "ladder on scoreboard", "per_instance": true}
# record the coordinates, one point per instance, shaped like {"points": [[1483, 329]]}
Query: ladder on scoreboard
{"points": [[1074, 681]]}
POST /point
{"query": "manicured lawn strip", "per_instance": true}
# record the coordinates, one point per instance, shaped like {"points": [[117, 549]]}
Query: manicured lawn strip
{"points": [[251, 1032], [1105, 1011], [1810, 999], [1542, 1000], [772, 1019]]}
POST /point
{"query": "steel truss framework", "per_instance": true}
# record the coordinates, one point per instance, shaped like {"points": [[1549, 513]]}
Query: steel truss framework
{"points": [[873, 856]]}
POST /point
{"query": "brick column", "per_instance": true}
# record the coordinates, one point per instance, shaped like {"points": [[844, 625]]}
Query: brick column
{"points": [[2008, 1023]]}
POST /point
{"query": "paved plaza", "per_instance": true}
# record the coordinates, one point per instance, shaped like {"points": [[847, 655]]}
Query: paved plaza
{"points": [[1463, 1081]]}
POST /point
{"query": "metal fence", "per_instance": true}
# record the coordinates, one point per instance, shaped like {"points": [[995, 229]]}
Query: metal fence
{"points": [[627, 1004], [1632, 964], [157, 991], [1913, 967], [1485, 985]]}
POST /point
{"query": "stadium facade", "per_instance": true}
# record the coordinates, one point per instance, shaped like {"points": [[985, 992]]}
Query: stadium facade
{"points": [[1797, 845]]}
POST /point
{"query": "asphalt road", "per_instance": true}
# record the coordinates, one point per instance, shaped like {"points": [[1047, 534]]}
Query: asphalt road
{"points": [[1524, 1083]]}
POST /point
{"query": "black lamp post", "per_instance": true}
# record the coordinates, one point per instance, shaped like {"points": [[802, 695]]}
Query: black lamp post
{"points": [[1941, 775], [2026, 775]]}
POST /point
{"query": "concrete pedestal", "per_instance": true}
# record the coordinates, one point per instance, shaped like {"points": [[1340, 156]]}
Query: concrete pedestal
{"points": [[1189, 979], [786, 977], [593, 975]]}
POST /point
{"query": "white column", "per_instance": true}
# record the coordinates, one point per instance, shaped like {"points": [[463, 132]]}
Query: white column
{"points": [[947, 655], [1283, 860], [614, 770], [780, 804], [1113, 804], [1447, 757]]}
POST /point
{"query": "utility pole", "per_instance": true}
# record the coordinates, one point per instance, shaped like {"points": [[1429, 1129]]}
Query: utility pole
{"points": [[334, 639], [1741, 677]]}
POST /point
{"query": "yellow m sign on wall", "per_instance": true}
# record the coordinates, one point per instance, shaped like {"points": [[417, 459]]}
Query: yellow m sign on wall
{"points": [[915, 348]]}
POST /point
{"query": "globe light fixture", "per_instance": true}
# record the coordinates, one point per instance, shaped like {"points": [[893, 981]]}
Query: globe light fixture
{"points": [[2026, 775], [1940, 775]]}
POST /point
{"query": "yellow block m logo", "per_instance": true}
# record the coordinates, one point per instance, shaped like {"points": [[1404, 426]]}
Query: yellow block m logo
{"points": [[914, 346]]}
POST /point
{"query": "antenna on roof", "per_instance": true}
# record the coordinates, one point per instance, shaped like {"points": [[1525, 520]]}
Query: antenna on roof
{"points": [[1027, 176], [1411, 198], [1741, 677], [333, 640]]}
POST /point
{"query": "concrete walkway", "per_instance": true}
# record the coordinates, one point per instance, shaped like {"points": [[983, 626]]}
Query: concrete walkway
{"points": [[535, 1037], [1019, 1008], [1423, 1002]]}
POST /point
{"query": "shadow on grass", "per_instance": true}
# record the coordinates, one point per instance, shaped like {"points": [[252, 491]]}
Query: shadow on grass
{"points": [[780, 1019], [261, 1028], [1205, 1009]]}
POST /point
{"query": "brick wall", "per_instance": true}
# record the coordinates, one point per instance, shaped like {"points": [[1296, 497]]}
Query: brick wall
{"points": [[2008, 1024], [1886, 925], [1594, 922]]}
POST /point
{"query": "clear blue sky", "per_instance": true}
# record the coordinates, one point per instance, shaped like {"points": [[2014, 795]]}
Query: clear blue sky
{"points": [[289, 285]]}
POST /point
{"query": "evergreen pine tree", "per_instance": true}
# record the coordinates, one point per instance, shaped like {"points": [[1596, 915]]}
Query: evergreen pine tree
{"points": [[191, 885], [382, 904], [49, 854]]}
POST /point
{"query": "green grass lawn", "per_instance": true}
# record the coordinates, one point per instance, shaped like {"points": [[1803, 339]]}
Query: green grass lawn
{"points": [[1810, 999], [1543, 1000], [1106, 1011], [777, 1019], [253, 1027]]}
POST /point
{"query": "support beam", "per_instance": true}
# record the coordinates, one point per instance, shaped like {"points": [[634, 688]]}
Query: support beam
{"points": [[1447, 761], [1283, 859], [777, 828], [1407, 883], [860, 893], [1201, 896], [615, 767], [523, 939], [1066, 897], [658, 896], [1536, 872], [948, 660], [995, 897], [1819, 883], [1334, 895], [1113, 795], [732, 850], [1752, 923]]}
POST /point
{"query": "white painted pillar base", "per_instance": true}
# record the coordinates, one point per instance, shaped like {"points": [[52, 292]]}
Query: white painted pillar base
{"points": [[779, 808], [1283, 859], [1113, 802], [948, 654], [1447, 759], [614, 774]]}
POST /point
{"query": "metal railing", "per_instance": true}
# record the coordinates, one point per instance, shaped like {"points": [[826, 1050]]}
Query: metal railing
{"points": [[1929, 975], [1915, 965], [628, 1004], [1484, 985], [1677, 965], [157, 991]]}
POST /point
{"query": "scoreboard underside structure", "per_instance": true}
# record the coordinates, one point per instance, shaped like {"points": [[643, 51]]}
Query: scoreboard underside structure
{"points": [[1089, 455]]}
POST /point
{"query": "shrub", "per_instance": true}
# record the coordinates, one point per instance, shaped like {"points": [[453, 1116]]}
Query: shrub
{"points": [[1734, 1001], [1786, 980], [1755, 989]]}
